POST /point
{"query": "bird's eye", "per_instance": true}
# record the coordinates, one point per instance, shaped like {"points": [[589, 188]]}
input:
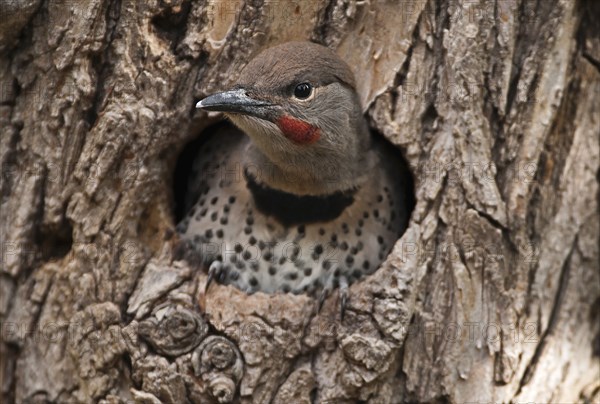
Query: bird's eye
{"points": [[303, 91]]}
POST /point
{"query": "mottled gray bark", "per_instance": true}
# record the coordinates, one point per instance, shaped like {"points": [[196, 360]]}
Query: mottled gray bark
{"points": [[492, 294]]}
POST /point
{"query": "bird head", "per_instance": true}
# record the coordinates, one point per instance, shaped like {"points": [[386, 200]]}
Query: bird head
{"points": [[298, 104]]}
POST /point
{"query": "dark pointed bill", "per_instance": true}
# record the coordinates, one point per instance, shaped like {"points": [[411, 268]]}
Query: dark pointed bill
{"points": [[236, 101]]}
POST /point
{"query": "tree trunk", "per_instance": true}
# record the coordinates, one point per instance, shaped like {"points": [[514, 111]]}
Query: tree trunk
{"points": [[492, 294]]}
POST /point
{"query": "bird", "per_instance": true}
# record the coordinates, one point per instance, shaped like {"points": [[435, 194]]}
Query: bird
{"points": [[299, 196]]}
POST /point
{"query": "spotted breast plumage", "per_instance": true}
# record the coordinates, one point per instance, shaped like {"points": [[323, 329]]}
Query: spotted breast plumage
{"points": [[304, 198]]}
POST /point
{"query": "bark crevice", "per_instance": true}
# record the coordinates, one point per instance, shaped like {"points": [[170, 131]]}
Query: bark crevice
{"points": [[563, 284]]}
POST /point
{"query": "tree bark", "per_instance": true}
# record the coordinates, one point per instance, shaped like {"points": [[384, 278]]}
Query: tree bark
{"points": [[491, 295]]}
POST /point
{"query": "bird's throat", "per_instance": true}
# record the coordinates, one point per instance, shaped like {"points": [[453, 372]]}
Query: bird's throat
{"points": [[301, 168], [298, 131]]}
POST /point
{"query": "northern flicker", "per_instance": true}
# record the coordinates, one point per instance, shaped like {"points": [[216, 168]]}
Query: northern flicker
{"points": [[309, 200]]}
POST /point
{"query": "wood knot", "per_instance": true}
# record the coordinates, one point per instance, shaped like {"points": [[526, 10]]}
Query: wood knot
{"points": [[173, 330], [218, 362]]}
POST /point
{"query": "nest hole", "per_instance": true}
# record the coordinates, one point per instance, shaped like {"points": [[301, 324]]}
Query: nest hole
{"points": [[186, 207]]}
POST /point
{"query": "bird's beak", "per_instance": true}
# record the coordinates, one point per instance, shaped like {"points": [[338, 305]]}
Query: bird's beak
{"points": [[236, 101]]}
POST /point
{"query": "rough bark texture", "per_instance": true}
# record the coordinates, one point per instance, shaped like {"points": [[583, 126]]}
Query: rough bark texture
{"points": [[492, 294]]}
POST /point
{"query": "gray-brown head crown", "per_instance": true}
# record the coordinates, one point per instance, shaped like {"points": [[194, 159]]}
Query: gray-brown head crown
{"points": [[295, 62]]}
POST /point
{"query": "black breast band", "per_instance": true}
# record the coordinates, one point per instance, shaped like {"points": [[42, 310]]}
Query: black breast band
{"points": [[292, 209]]}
